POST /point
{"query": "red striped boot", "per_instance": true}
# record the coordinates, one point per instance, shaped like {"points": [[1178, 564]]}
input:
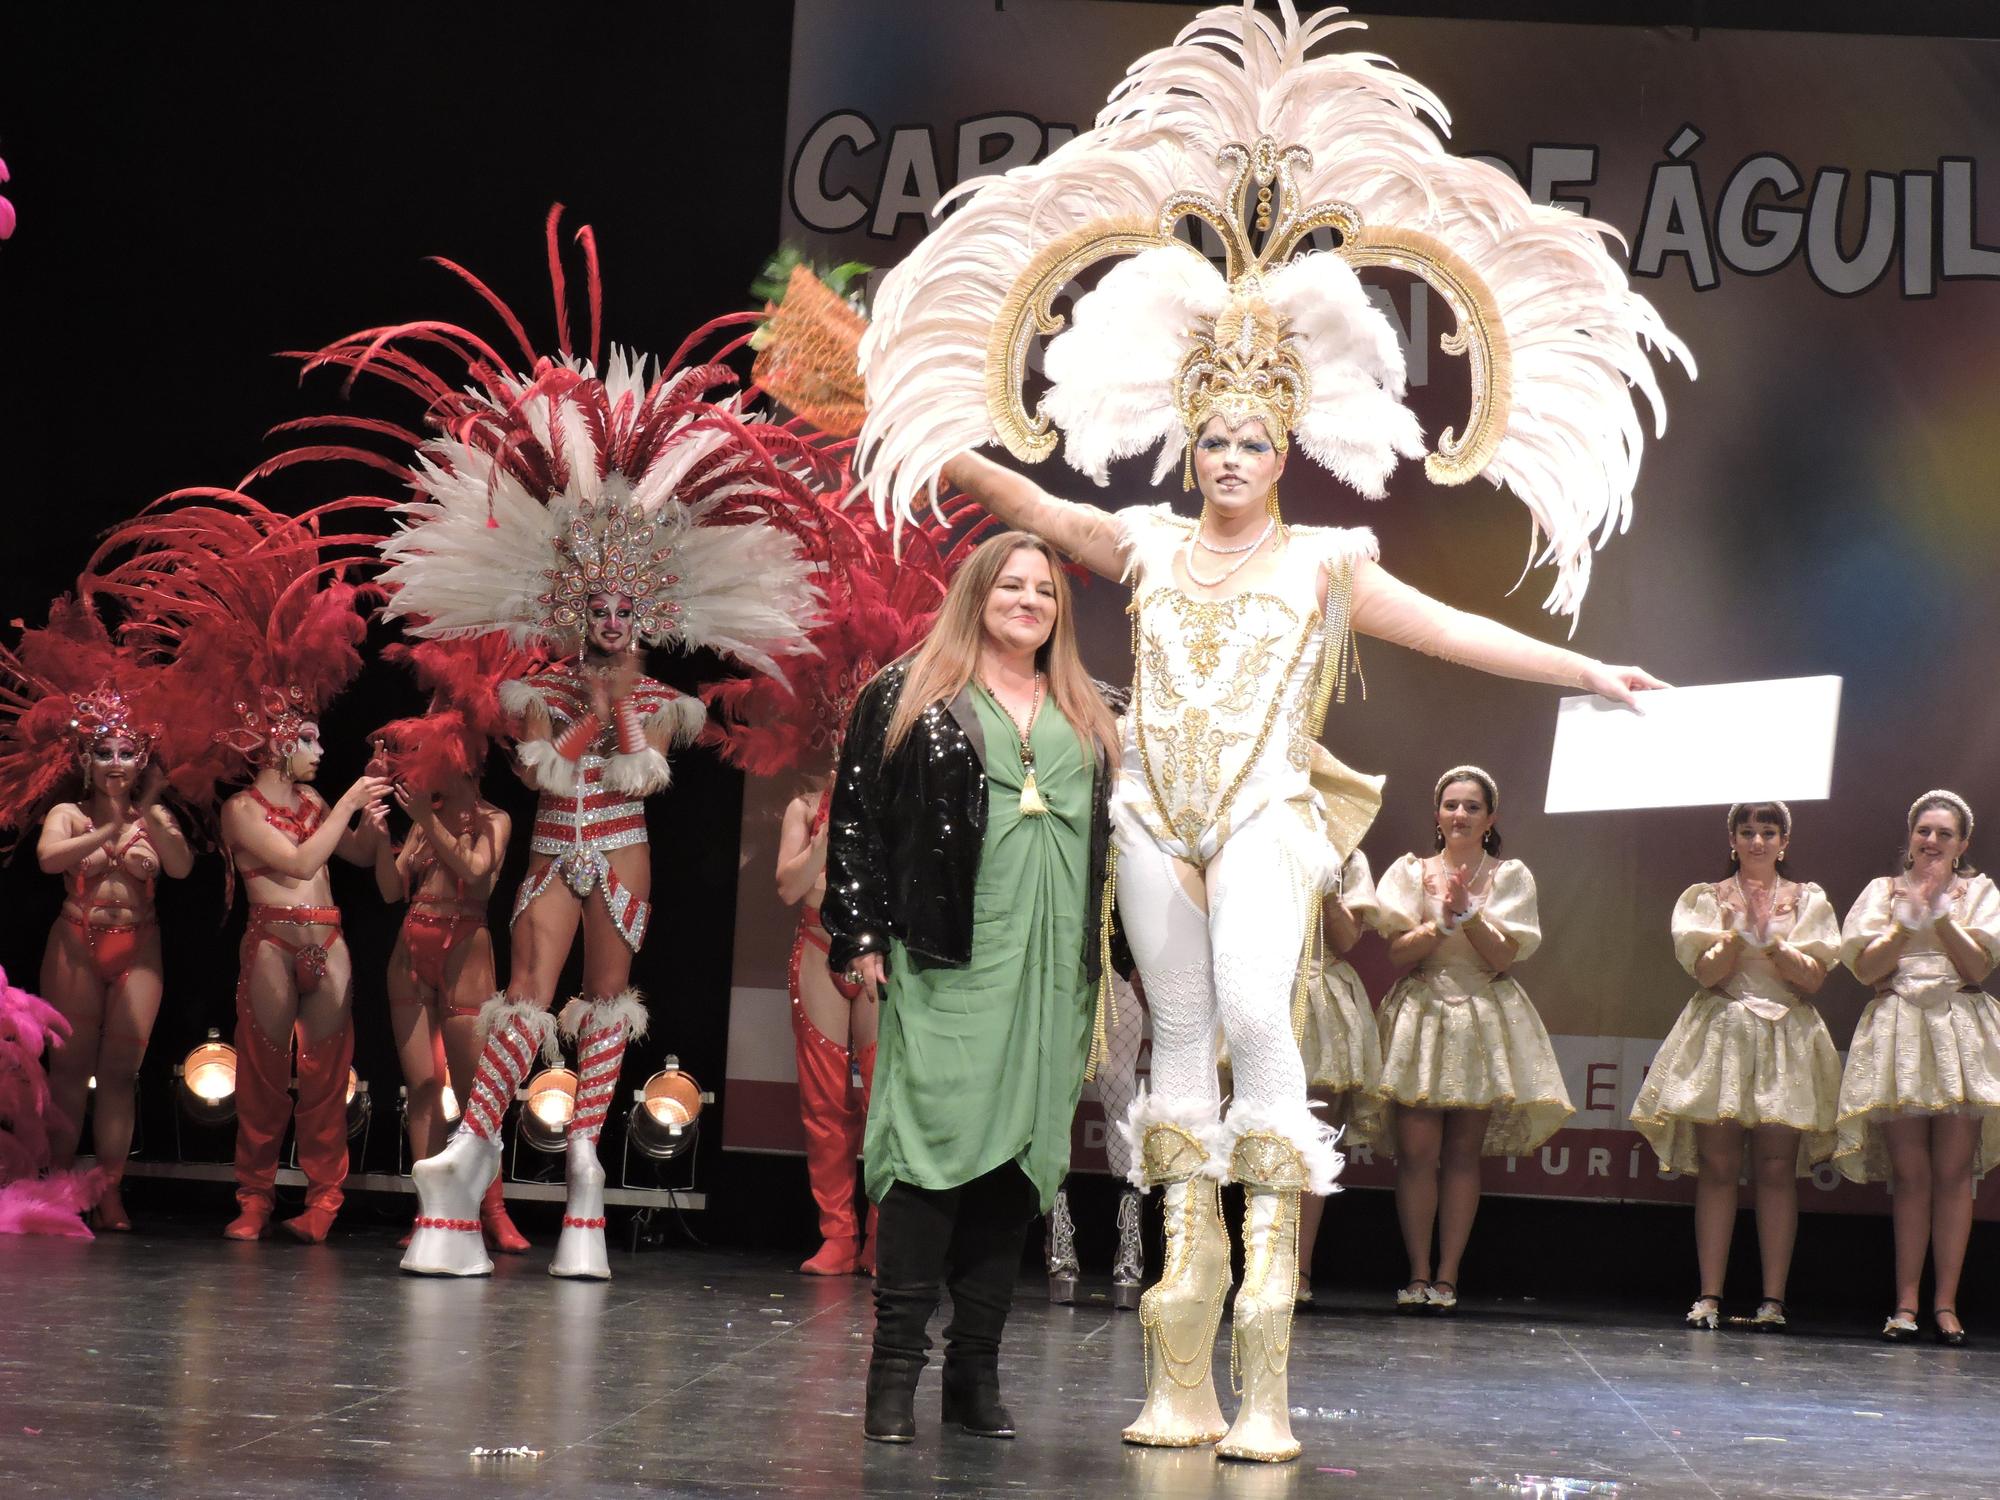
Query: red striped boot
{"points": [[450, 1185], [601, 1029]]}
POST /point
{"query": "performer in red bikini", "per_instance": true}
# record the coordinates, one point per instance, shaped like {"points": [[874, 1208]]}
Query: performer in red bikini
{"points": [[598, 507], [75, 712], [442, 969], [250, 602]]}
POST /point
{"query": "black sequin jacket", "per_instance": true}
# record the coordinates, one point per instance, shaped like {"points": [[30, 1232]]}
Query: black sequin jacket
{"points": [[904, 837]]}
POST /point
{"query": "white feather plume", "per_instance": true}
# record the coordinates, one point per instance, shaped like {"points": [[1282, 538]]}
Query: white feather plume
{"points": [[475, 553], [1579, 336]]}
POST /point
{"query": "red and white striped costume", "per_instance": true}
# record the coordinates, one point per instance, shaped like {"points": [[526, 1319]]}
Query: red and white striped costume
{"points": [[594, 779]]}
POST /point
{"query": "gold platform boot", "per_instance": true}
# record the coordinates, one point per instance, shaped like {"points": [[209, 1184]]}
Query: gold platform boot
{"points": [[1180, 1313], [1273, 1173]]}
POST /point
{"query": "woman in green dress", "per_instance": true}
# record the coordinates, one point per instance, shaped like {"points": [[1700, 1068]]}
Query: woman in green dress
{"points": [[966, 858]]}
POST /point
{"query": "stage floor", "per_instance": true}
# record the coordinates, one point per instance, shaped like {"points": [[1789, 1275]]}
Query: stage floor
{"points": [[173, 1363]]}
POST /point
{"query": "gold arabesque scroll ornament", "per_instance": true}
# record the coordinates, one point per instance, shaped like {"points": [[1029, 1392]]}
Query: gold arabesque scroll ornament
{"points": [[1281, 227]]}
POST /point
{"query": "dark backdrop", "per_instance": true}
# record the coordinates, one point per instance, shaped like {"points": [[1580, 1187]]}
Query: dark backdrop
{"points": [[199, 187]]}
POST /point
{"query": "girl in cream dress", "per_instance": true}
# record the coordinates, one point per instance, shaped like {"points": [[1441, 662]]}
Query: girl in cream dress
{"points": [[1749, 1063], [1920, 1097], [1467, 1067]]}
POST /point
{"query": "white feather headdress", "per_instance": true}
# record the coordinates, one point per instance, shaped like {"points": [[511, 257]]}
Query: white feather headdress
{"points": [[1238, 126], [542, 488]]}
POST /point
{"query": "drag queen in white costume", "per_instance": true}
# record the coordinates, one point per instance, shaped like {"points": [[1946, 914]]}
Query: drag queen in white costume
{"points": [[1241, 624], [1920, 1095]]}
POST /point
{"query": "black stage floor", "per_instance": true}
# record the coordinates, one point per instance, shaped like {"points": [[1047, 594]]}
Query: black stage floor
{"points": [[173, 1363]]}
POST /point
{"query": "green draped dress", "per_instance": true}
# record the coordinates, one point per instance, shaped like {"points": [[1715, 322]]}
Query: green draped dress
{"points": [[981, 1065]]}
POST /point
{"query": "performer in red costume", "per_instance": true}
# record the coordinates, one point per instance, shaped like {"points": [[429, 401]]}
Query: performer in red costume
{"points": [[263, 632], [597, 506], [75, 716], [442, 971]]}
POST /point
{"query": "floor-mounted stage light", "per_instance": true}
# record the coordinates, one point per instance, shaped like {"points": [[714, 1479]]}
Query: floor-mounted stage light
{"points": [[664, 1124], [207, 1077], [205, 1102], [663, 1115], [548, 1102]]}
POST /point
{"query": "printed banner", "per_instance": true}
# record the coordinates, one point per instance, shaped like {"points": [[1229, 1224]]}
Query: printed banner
{"points": [[1804, 211]]}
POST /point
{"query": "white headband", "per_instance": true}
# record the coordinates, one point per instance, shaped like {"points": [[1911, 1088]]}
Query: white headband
{"points": [[1950, 799], [1468, 773]]}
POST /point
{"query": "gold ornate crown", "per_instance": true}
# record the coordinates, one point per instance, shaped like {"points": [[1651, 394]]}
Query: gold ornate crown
{"points": [[1244, 365]]}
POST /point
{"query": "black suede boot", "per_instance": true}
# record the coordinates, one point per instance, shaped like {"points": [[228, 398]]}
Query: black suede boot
{"points": [[972, 1395], [993, 1219], [912, 1238]]}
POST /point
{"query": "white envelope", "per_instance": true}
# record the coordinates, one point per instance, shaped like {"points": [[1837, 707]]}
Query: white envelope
{"points": [[1697, 746]]}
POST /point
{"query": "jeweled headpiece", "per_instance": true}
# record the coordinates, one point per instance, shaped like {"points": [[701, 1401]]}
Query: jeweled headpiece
{"points": [[276, 720], [1306, 169], [1738, 809], [1468, 773], [1245, 364], [1951, 800], [104, 712], [611, 548], [63, 686]]}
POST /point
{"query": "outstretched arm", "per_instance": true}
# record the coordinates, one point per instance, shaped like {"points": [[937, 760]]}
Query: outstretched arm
{"points": [[1388, 608], [1083, 533]]}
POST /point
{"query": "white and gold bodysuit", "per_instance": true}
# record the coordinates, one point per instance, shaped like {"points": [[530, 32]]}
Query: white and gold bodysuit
{"points": [[1217, 775]]}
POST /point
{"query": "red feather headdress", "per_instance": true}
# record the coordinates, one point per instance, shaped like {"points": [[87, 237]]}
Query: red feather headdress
{"points": [[63, 687], [878, 607], [452, 737], [251, 616]]}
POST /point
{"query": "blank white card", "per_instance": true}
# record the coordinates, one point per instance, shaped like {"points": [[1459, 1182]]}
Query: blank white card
{"points": [[1697, 746]]}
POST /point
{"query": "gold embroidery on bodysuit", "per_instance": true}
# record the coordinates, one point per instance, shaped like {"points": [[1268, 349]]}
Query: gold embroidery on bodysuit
{"points": [[1183, 783]]}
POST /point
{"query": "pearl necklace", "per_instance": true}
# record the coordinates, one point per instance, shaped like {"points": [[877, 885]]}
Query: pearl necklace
{"points": [[1234, 568]]}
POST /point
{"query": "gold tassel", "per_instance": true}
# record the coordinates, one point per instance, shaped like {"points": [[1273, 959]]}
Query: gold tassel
{"points": [[1271, 504], [1107, 1005], [1032, 805]]}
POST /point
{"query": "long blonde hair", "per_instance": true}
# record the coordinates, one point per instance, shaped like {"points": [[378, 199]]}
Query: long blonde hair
{"points": [[941, 667]]}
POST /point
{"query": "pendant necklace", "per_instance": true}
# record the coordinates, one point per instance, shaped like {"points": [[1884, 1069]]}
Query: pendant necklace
{"points": [[1032, 805], [1234, 568]]}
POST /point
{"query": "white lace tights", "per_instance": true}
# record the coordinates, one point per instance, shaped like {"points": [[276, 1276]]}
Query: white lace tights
{"points": [[1234, 965]]}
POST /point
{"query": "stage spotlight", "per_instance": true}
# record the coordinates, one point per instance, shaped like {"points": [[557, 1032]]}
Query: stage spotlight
{"points": [[550, 1101], [359, 1105], [207, 1078], [663, 1114]]}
